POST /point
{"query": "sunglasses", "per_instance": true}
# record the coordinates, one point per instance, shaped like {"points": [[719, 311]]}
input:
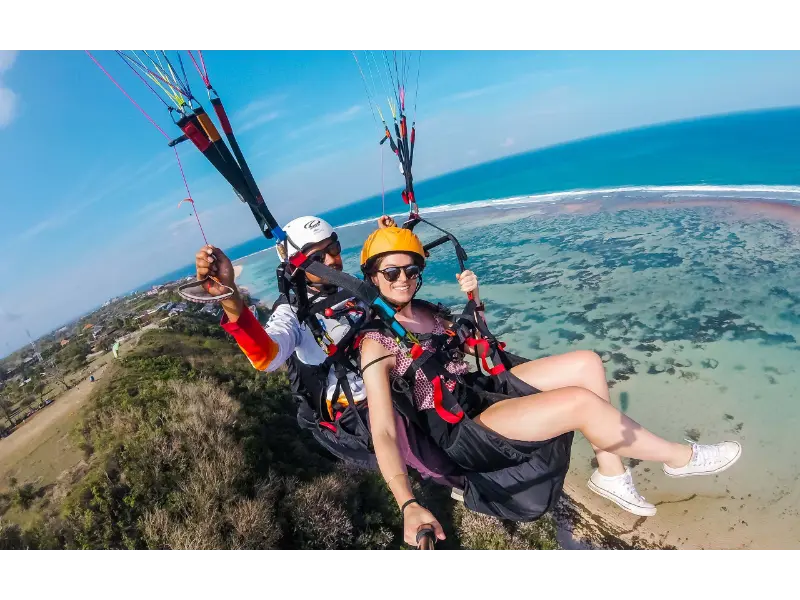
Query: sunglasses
{"points": [[392, 274], [334, 249]]}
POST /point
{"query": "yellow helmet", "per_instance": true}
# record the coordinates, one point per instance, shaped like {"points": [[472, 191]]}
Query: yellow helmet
{"points": [[388, 240]]}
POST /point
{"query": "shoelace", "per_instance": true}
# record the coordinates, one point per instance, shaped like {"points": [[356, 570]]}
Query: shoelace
{"points": [[631, 488], [703, 455]]}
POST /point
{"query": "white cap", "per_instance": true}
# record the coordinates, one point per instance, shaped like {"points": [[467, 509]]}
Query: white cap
{"points": [[304, 231]]}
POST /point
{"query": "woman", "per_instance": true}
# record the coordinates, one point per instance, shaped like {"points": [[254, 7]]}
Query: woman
{"points": [[574, 397]]}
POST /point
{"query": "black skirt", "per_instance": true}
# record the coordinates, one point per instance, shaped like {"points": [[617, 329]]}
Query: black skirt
{"points": [[511, 479]]}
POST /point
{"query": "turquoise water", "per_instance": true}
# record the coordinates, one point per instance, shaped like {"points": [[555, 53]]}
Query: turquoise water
{"points": [[753, 149], [682, 272]]}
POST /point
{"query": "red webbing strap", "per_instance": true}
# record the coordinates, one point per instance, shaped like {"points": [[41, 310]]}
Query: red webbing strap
{"points": [[484, 346], [328, 425], [437, 403], [298, 260]]}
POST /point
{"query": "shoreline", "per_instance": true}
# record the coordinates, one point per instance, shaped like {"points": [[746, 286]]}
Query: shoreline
{"points": [[587, 521], [785, 198]]}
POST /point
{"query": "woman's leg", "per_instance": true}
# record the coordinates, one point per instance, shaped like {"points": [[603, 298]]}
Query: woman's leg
{"points": [[549, 414], [581, 368], [587, 408]]}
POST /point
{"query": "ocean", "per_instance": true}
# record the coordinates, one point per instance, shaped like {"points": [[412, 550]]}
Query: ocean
{"points": [[672, 251]]}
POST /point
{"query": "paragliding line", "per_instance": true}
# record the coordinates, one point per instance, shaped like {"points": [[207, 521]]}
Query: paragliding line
{"points": [[180, 166]]}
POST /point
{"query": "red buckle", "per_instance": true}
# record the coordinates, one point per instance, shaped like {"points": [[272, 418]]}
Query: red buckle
{"points": [[416, 351], [450, 332], [331, 349]]}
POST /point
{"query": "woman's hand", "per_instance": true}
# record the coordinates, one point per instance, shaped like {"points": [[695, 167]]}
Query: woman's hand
{"points": [[415, 517], [212, 262], [468, 282]]}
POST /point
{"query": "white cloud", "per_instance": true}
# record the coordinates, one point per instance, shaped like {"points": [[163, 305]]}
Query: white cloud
{"points": [[474, 93], [335, 118], [8, 99], [258, 112], [508, 143], [37, 229], [259, 120], [343, 116]]}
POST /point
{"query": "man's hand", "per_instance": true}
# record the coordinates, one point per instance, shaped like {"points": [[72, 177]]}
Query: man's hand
{"points": [[386, 221], [212, 262]]}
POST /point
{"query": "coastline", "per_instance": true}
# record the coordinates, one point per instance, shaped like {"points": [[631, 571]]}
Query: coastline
{"points": [[696, 518]]}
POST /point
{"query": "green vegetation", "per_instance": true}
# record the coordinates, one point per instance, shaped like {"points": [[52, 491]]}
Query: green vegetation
{"points": [[187, 446]]}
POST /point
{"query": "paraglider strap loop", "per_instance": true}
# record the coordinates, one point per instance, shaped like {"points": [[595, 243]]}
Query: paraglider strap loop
{"points": [[438, 397], [476, 343], [399, 385], [484, 346]]}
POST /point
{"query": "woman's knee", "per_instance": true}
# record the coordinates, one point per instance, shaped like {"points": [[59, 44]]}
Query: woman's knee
{"points": [[589, 364], [588, 359], [581, 400]]}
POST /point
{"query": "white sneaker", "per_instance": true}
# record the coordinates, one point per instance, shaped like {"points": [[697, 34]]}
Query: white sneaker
{"points": [[457, 494], [620, 490], [708, 459]]}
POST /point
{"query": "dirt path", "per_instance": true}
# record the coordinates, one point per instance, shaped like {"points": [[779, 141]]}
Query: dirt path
{"points": [[40, 447]]}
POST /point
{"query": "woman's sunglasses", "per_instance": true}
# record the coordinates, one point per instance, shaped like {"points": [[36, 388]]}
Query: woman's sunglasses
{"points": [[392, 274]]}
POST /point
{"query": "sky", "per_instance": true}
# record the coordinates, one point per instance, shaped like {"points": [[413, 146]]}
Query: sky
{"points": [[89, 191]]}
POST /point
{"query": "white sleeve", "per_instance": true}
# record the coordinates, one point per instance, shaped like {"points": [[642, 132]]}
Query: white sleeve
{"points": [[284, 329]]}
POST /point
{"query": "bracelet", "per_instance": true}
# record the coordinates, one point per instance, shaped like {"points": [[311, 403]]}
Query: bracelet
{"points": [[395, 477], [406, 503]]}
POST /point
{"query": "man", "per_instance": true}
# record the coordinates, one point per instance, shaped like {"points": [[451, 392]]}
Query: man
{"points": [[330, 396], [331, 399]]}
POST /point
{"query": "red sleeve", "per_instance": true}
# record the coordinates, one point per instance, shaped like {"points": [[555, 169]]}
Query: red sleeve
{"points": [[257, 346]]}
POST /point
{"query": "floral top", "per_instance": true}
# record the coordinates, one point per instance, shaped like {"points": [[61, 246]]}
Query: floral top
{"points": [[423, 389]]}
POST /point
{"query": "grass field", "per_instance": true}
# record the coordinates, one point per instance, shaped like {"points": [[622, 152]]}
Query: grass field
{"points": [[42, 449]]}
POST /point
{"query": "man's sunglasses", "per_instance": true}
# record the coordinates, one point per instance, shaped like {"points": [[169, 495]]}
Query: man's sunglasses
{"points": [[334, 248], [392, 274]]}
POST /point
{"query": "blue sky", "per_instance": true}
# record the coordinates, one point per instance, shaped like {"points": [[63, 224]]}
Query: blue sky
{"points": [[89, 191]]}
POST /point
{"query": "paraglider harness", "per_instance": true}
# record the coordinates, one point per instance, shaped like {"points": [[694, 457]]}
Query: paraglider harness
{"points": [[505, 478], [341, 430]]}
